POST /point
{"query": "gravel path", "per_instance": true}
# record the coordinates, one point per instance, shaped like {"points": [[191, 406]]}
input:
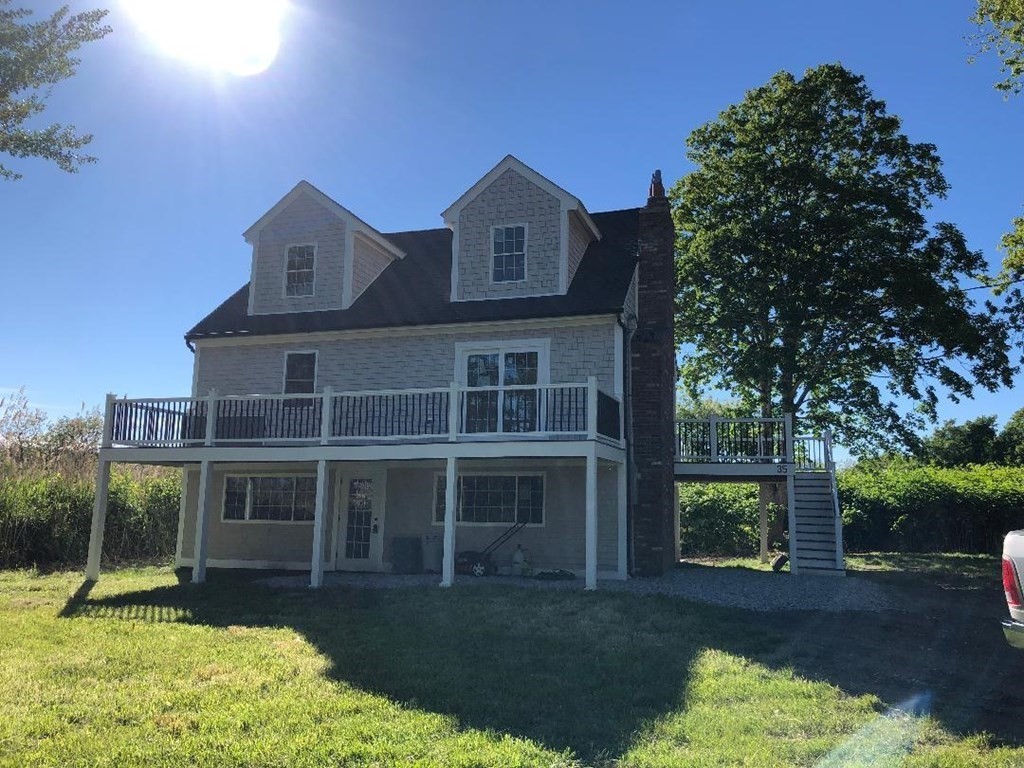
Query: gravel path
{"points": [[734, 588]]}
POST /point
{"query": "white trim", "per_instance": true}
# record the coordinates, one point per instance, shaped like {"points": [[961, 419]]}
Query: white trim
{"points": [[511, 326], [350, 219], [504, 298], [512, 472], [455, 262], [526, 261], [571, 202], [252, 276], [276, 565], [316, 369], [542, 346], [284, 286], [247, 476], [348, 268], [195, 372], [316, 575]]}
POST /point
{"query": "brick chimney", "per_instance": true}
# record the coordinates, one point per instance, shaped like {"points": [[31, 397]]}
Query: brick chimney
{"points": [[653, 384]]}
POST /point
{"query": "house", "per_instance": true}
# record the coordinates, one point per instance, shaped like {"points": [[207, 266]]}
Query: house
{"points": [[376, 401]]}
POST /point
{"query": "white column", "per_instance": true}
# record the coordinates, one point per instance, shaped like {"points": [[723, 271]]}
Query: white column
{"points": [[591, 518], [450, 491], [622, 478], [316, 573], [202, 522], [99, 520], [762, 503], [791, 508]]}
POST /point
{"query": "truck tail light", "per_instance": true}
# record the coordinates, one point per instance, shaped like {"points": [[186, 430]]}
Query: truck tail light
{"points": [[1011, 584]]}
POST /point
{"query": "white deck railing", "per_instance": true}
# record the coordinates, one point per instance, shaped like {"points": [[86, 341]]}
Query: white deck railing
{"points": [[718, 440], [453, 413]]}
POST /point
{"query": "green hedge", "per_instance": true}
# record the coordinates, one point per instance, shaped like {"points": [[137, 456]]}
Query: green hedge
{"points": [[718, 519], [906, 507], [45, 519]]}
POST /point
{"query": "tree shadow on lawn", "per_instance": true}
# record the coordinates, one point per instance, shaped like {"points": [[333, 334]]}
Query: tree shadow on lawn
{"points": [[565, 669], [591, 672]]}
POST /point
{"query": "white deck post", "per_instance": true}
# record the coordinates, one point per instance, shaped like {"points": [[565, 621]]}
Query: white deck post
{"points": [[202, 522], [762, 504], [453, 412], [211, 417], [316, 572], [592, 407], [791, 491], [450, 491], [591, 518], [622, 478], [713, 436], [830, 467], [326, 411], [108, 421], [99, 520]]}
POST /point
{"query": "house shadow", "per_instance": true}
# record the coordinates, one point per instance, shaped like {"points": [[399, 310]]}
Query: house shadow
{"points": [[590, 676], [569, 675]]}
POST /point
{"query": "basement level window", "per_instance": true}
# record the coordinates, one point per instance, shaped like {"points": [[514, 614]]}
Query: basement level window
{"points": [[509, 253], [277, 498], [494, 499], [300, 273]]}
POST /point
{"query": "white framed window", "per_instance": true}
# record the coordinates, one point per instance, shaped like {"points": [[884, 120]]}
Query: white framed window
{"points": [[508, 253], [485, 498], [300, 372], [300, 270], [269, 498]]}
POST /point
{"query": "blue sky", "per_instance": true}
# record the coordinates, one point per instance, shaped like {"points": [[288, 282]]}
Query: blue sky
{"points": [[394, 109]]}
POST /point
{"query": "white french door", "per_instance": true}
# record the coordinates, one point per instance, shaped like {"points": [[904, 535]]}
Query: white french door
{"points": [[359, 519], [508, 398]]}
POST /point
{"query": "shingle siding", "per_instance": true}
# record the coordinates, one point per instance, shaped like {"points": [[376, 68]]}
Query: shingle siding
{"points": [[368, 261], [400, 360], [303, 221], [579, 239], [510, 199]]}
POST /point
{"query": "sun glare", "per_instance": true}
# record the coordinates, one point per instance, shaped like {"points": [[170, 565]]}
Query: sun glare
{"points": [[240, 37]]}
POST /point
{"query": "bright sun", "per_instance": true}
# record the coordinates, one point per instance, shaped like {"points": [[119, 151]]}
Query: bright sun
{"points": [[240, 37]]}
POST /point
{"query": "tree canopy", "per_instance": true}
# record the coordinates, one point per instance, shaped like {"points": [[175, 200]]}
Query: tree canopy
{"points": [[34, 56], [976, 441], [809, 279]]}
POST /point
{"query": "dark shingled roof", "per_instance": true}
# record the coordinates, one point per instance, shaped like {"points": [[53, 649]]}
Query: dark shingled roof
{"points": [[415, 290]]}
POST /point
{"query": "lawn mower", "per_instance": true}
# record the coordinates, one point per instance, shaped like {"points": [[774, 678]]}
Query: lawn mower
{"points": [[482, 563]]}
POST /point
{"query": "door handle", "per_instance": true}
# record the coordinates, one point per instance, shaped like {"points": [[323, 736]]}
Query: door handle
{"points": [[376, 527]]}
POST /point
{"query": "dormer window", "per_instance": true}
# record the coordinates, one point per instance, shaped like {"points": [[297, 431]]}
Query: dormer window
{"points": [[509, 253], [299, 275]]}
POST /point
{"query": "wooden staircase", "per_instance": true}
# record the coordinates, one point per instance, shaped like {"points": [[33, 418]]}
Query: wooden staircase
{"points": [[816, 530]]}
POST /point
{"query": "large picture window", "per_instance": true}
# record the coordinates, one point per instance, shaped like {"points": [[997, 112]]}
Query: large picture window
{"points": [[274, 498], [509, 253], [300, 270], [494, 499]]}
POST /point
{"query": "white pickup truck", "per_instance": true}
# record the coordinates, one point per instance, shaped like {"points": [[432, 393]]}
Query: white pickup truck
{"points": [[1013, 566]]}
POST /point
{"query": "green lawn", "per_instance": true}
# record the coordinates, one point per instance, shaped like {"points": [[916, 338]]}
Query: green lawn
{"points": [[142, 670]]}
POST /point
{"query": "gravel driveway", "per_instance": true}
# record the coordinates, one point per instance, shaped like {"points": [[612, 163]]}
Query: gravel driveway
{"points": [[731, 587]]}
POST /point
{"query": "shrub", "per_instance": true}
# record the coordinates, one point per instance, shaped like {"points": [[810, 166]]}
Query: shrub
{"points": [[908, 507], [45, 519], [718, 519]]}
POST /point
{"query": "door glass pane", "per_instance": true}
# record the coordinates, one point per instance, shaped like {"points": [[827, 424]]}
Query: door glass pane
{"points": [[482, 407], [519, 411], [360, 512]]}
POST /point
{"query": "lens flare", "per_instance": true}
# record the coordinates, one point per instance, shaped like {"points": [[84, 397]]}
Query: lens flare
{"points": [[239, 37]]}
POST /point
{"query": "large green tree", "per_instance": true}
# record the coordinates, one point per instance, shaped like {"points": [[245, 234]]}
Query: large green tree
{"points": [[809, 279], [35, 56], [1001, 30]]}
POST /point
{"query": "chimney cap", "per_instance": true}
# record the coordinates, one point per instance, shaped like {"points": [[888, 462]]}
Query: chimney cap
{"points": [[657, 189]]}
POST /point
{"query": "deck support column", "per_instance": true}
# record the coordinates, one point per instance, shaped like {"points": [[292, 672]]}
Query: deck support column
{"points": [[99, 520], [591, 517], [202, 522], [316, 571], [621, 480], [762, 503], [450, 496]]}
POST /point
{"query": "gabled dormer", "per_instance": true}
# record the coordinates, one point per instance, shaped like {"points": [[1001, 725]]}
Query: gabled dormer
{"points": [[515, 234], [310, 254]]}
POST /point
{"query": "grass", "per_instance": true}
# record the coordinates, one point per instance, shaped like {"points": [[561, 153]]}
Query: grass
{"points": [[144, 670]]}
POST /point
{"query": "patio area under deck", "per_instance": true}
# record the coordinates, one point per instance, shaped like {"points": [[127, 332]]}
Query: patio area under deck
{"points": [[452, 424]]}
